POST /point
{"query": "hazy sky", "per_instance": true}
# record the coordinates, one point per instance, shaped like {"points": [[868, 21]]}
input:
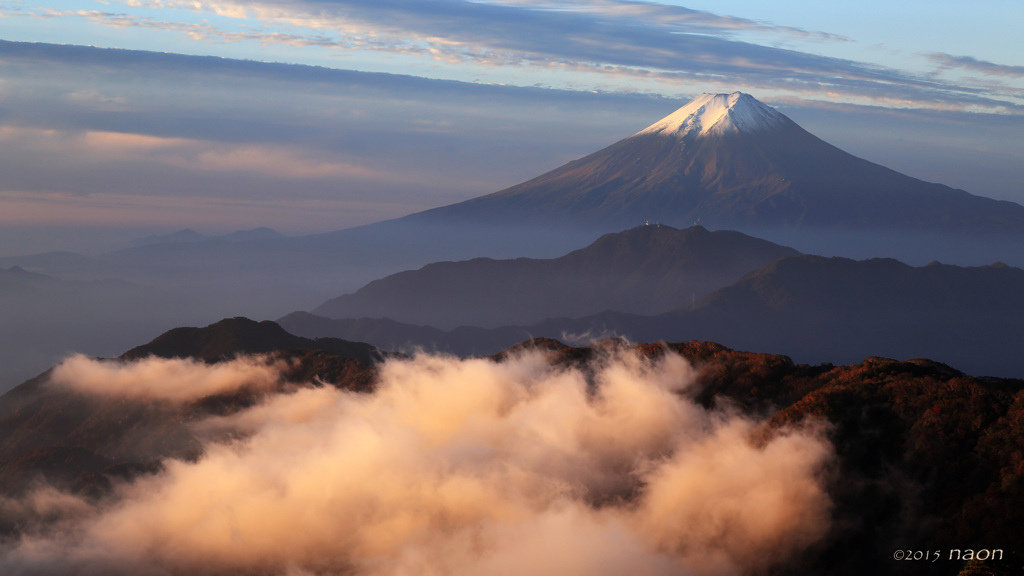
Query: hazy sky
{"points": [[377, 108]]}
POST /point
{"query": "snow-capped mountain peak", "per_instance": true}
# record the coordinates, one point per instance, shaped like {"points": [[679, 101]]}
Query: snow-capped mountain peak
{"points": [[717, 114]]}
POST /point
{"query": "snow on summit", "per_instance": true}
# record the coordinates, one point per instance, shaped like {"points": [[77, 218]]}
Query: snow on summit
{"points": [[717, 114]]}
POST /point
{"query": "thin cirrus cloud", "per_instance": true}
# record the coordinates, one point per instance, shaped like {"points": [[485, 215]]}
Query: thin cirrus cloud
{"points": [[265, 160], [98, 148], [974, 65], [110, 177], [201, 31], [603, 42]]}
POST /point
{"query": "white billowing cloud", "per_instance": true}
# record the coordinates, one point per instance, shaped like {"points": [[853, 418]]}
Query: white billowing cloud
{"points": [[171, 379], [466, 467]]}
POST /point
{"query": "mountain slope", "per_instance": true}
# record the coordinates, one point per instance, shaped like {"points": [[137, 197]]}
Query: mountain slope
{"points": [[815, 307], [645, 270], [730, 161], [835, 309]]}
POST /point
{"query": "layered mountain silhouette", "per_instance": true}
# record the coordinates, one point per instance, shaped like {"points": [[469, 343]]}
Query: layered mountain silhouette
{"points": [[646, 270], [926, 457], [729, 160], [813, 308], [726, 160]]}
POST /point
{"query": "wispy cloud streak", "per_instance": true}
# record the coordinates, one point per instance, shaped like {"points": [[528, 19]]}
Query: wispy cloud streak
{"points": [[668, 47], [949, 61]]}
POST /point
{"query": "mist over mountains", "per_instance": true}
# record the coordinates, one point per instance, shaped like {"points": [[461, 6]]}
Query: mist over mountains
{"points": [[645, 270], [46, 318], [567, 376], [187, 235], [726, 160]]}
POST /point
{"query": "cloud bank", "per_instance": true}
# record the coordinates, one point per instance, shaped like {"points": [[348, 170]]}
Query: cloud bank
{"points": [[456, 467], [625, 45]]}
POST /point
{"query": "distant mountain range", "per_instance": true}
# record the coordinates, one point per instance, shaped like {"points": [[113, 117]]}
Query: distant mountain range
{"points": [[813, 308], [647, 270]]}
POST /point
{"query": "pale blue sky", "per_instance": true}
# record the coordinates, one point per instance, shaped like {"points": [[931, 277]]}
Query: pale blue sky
{"points": [[886, 29]]}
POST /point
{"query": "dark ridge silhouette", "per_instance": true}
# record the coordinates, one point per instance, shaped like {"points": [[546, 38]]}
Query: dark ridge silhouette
{"points": [[388, 334], [235, 336], [645, 270]]}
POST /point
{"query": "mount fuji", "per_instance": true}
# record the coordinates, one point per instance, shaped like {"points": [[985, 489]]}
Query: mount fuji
{"points": [[730, 161], [725, 160]]}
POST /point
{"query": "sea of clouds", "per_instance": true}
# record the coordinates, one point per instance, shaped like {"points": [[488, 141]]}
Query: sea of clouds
{"points": [[452, 466]]}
